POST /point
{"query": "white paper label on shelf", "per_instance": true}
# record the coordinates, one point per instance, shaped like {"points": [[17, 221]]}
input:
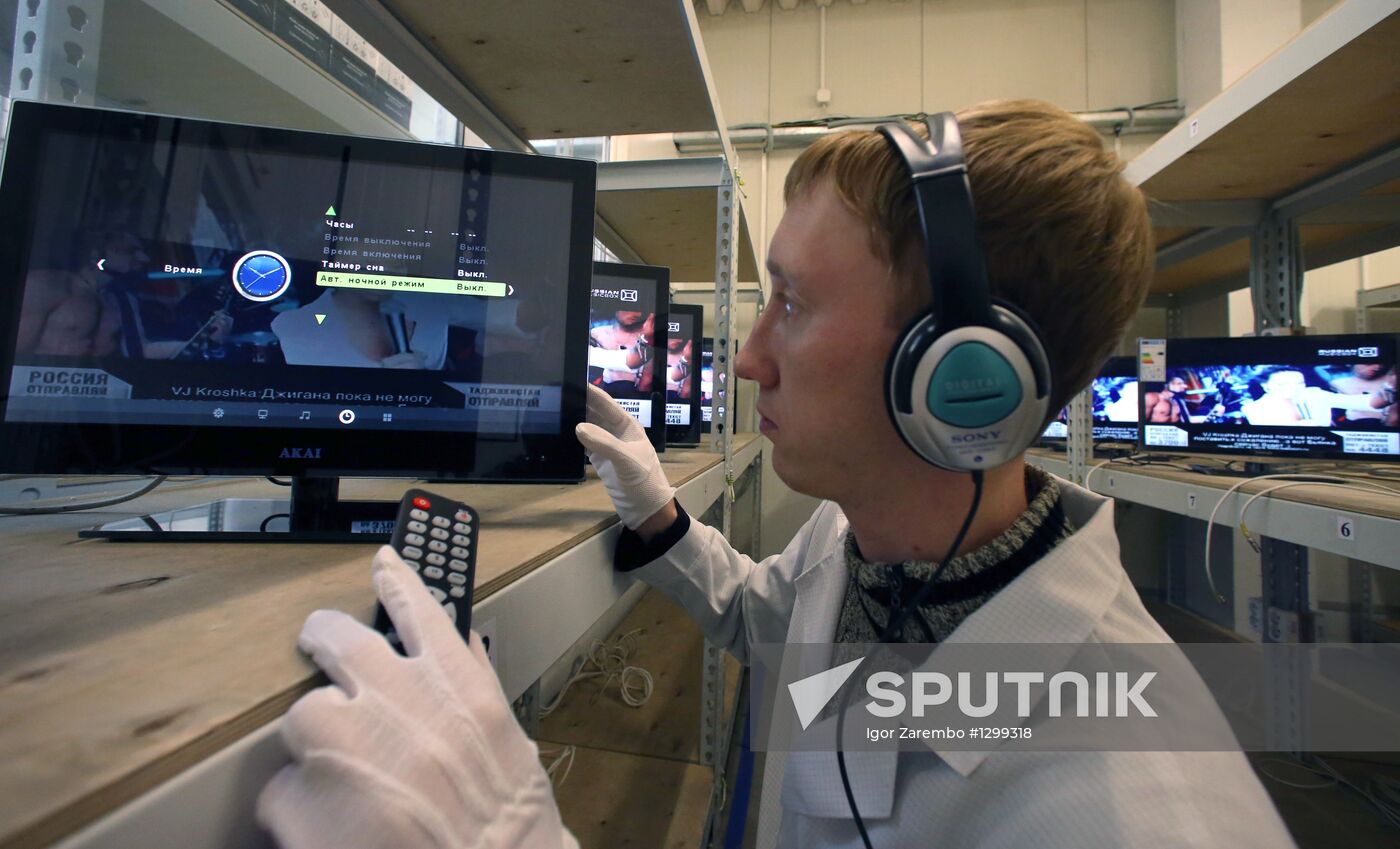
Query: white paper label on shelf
{"points": [[1346, 529], [1190, 501], [1195, 127]]}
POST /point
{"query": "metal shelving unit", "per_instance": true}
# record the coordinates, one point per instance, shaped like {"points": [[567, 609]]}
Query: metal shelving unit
{"points": [[538, 69], [1294, 166]]}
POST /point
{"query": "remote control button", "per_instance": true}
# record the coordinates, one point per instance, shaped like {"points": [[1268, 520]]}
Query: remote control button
{"points": [[458, 539], [459, 552], [457, 579], [437, 545], [432, 573], [458, 592], [463, 516], [421, 503], [411, 553], [441, 521], [414, 539], [451, 610], [438, 533], [436, 559], [413, 564], [417, 527], [437, 593], [458, 565], [420, 515], [461, 528]]}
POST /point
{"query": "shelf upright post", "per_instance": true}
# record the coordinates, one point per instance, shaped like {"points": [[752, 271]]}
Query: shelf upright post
{"points": [[713, 734], [56, 51], [1276, 275], [1080, 444]]}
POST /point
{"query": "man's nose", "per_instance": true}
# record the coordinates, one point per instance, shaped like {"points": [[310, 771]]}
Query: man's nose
{"points": [[755, 362]]}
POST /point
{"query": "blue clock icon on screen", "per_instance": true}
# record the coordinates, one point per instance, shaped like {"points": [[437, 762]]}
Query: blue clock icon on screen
{"points": [[261, 275]]}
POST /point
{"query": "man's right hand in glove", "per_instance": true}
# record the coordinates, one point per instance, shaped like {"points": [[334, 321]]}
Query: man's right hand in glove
{"points": [[618, 448]]}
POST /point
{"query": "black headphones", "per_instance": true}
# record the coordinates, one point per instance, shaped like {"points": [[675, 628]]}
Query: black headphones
{"points": [[968, 383]]}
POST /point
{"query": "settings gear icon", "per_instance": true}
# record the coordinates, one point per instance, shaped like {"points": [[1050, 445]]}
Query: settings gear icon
{"points": [[218, 412]]}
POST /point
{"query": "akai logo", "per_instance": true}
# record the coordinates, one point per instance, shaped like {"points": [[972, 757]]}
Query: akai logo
{"points": [[982, 436], [300, 454]]}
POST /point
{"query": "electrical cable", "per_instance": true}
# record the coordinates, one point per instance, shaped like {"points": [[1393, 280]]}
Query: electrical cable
{"points": [[71, 507], [892, 627], [271, 479], [609, 660], [1356, 484], [564, 758], [1215, 511], [1382, 793]]}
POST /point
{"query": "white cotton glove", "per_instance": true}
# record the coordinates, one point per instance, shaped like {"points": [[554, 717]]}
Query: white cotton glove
{"points": [[415, 751], [618, 448]]}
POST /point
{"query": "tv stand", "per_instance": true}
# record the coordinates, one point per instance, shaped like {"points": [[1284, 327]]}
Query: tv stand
{"points": [[314, 513]]}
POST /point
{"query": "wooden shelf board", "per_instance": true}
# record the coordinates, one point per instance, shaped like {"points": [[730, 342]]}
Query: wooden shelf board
{"points": [[1334, 113], [563, 70], [125, 663], [671, 648], [612, 800], [674, 228]]}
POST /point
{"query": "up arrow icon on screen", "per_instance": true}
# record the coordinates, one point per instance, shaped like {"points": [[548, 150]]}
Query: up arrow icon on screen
{"points": [[811, 694], [330, 210]]}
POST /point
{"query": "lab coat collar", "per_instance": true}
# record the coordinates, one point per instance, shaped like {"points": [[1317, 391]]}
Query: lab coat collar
{"points": [[1058, 601]]}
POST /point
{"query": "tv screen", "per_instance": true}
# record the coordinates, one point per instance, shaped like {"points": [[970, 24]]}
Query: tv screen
{"points": [[1115, 405], [627, 304], [187, 295], [1327, 397], [683, 375]]}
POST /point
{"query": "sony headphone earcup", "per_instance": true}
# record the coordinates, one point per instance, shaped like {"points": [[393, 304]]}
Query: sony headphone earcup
{"points": [[972, 397]]}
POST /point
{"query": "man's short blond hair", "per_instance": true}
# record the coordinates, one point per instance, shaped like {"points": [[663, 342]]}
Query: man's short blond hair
{"points": [[1065, 237]]}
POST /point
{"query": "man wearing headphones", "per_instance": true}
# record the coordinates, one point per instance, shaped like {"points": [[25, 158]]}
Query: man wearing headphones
{"points": [[962, 331]]}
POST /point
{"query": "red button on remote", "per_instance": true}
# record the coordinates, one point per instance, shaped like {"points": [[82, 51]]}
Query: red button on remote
{"points": [[422, 503]]}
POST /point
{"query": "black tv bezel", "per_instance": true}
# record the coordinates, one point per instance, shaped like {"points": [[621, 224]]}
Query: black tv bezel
{"points": [[660, 276], [1128, 364], [1339, 340], [689, 436], [84, 448]]}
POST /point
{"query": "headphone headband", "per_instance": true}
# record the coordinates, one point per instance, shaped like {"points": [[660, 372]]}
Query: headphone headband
{"points": [[943, 197]]}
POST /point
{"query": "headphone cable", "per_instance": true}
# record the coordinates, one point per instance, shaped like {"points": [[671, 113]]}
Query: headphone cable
{"points": [[891, 630]]}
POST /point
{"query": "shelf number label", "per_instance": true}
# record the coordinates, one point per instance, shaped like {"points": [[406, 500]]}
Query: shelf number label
{"points": [[1190, 501], [1195, 127], [1345, 529]]}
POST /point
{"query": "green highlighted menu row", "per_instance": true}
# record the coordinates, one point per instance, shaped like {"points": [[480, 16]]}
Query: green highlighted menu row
{"points": [[394, 283]]}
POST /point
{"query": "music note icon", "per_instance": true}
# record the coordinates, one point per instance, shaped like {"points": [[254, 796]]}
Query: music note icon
{"points": [[305, 414]]}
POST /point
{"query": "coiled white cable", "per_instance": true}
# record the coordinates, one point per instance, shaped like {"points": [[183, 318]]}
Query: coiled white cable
{"points": [[609, 661]]}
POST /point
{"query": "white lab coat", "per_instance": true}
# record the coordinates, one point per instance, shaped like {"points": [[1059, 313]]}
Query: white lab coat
{"points": [[1076, 594]]}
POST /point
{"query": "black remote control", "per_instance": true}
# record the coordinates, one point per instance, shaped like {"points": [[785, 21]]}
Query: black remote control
{"points": [[436, 536]]}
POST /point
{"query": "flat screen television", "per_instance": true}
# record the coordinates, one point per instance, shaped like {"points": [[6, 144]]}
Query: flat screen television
{"points": [[707, 382], [185, 296], [1316, 397], [626, 306], [683, 374], [1115, 405]]}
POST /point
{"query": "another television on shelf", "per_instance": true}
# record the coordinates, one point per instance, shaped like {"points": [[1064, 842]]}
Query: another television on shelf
{"points": [[683, 374], [185, 296], [628, 312], [1314, 397], [1115, 406]]}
